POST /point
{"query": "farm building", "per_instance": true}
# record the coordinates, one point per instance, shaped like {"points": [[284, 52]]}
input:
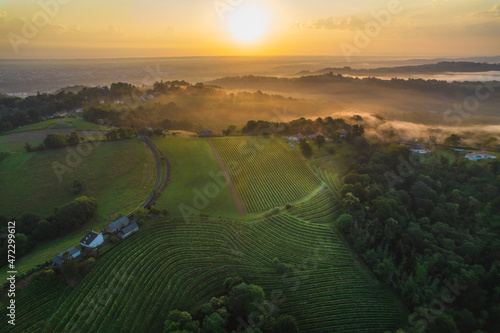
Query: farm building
{"points": [[128, 230], [296, 138], [73, 252], [206, 132], [315, 135], [342, 133], [118, 224], [92, 239], [418, 149], [476, 156]]}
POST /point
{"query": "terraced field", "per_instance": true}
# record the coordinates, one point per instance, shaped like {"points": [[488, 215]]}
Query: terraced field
{"points": [[265, 174], [170, 264]]}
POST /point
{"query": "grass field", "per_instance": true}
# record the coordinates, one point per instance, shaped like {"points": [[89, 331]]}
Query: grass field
{"points": [[191, 162], [120, 175], [265, 173], [77, 124], [170, 265]]}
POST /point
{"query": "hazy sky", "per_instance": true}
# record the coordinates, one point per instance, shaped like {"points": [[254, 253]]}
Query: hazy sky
{"points": [[154, 28]]}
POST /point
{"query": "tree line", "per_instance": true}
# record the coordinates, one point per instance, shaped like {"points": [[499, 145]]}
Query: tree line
{"points": [[32, 229]]}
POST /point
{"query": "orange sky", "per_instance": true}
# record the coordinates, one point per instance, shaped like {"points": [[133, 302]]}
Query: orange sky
{"points": [[155, 28]]}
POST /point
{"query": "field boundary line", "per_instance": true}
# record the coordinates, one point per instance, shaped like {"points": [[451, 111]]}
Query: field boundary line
{"points": [[22, 164], [234, 193]]}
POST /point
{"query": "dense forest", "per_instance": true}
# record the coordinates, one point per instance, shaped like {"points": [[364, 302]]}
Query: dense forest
{"points": [[431, 232]]}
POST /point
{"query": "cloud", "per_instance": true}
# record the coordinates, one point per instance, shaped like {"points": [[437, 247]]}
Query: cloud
{"points": [[492, 12], [330, 23]]}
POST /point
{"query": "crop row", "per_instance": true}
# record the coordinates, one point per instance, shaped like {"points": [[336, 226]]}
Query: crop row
{"points": [[265, 174], [324, 208], [170, 264]]}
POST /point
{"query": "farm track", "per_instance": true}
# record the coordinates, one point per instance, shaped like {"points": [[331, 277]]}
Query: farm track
{"points": [[160, 185], [232, 188]]}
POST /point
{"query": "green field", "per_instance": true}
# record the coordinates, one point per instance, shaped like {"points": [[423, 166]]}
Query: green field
{"points": [[120, 175], [77, 124], [174, 265], [265, 173], [192, 162]]}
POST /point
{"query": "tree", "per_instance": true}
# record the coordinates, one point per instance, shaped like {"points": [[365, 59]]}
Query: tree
{"points": [[76, 213], [55, 140], [73, 139], [345, 222], [145, 132], [241, 297], [214, 324], [128, 132], [178, 321], [28, 147], [158, 132], [320, 141], [22, 245], [89, 206], [351, 202], [287, 324], [453, 140], [142, 216], [232, 281], [27, 223], [358, 130], [43, 231], [112, 135], [305, 148]]}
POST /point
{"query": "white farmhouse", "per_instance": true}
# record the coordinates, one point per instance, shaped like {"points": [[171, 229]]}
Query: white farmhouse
{"points": [[92, 239]]}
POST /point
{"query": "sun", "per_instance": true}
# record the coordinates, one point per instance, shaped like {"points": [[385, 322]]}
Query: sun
{"points": [[248, 23]]}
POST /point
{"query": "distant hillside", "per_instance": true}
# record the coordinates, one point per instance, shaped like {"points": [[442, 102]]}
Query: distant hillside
{"points": [[441, 67]]}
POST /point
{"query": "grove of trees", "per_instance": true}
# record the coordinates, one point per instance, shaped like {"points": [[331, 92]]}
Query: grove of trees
{"points": [[32, 229], [239, 309]]}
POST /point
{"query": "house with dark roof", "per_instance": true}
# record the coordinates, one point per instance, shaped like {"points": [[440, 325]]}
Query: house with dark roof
{"points": [[128, 230], [73, 252], [57, 260], [118, 224], [92, 239]]}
